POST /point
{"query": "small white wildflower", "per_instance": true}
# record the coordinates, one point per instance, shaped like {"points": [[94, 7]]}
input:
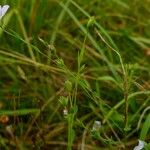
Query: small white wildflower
{"points": [[3, 10], [9, 130], [140, 146], [96, 125], [65, 111]]}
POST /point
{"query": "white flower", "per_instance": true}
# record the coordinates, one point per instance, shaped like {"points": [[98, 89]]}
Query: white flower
{"points": [[3, 10], [65, 111], [140, 145], [96, 125]]}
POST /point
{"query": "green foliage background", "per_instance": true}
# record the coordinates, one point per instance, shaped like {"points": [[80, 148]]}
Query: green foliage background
{"points": [[89, 59]]}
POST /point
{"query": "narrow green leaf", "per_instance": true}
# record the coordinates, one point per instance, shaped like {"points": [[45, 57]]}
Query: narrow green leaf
{"points": [[145, 129], [19, 112]]}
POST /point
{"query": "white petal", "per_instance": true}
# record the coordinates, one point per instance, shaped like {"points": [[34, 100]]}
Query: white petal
{"points": [[3, 10], [96, 125], [65, 111], [140, 145]]}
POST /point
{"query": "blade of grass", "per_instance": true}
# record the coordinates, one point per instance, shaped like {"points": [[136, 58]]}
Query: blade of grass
{"points": [[145, 128], [19, 112], [122, 102], [57, 24], [95, 44]]}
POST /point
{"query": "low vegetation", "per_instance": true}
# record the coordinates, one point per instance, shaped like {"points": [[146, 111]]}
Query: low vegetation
{"points": [[75, 74]]}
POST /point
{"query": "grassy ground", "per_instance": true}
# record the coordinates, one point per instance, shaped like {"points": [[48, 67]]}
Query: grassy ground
{"points": [[74, 74]]}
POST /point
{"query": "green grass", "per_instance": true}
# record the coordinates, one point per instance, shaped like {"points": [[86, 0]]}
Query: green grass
{"points": [[65, 64]]}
